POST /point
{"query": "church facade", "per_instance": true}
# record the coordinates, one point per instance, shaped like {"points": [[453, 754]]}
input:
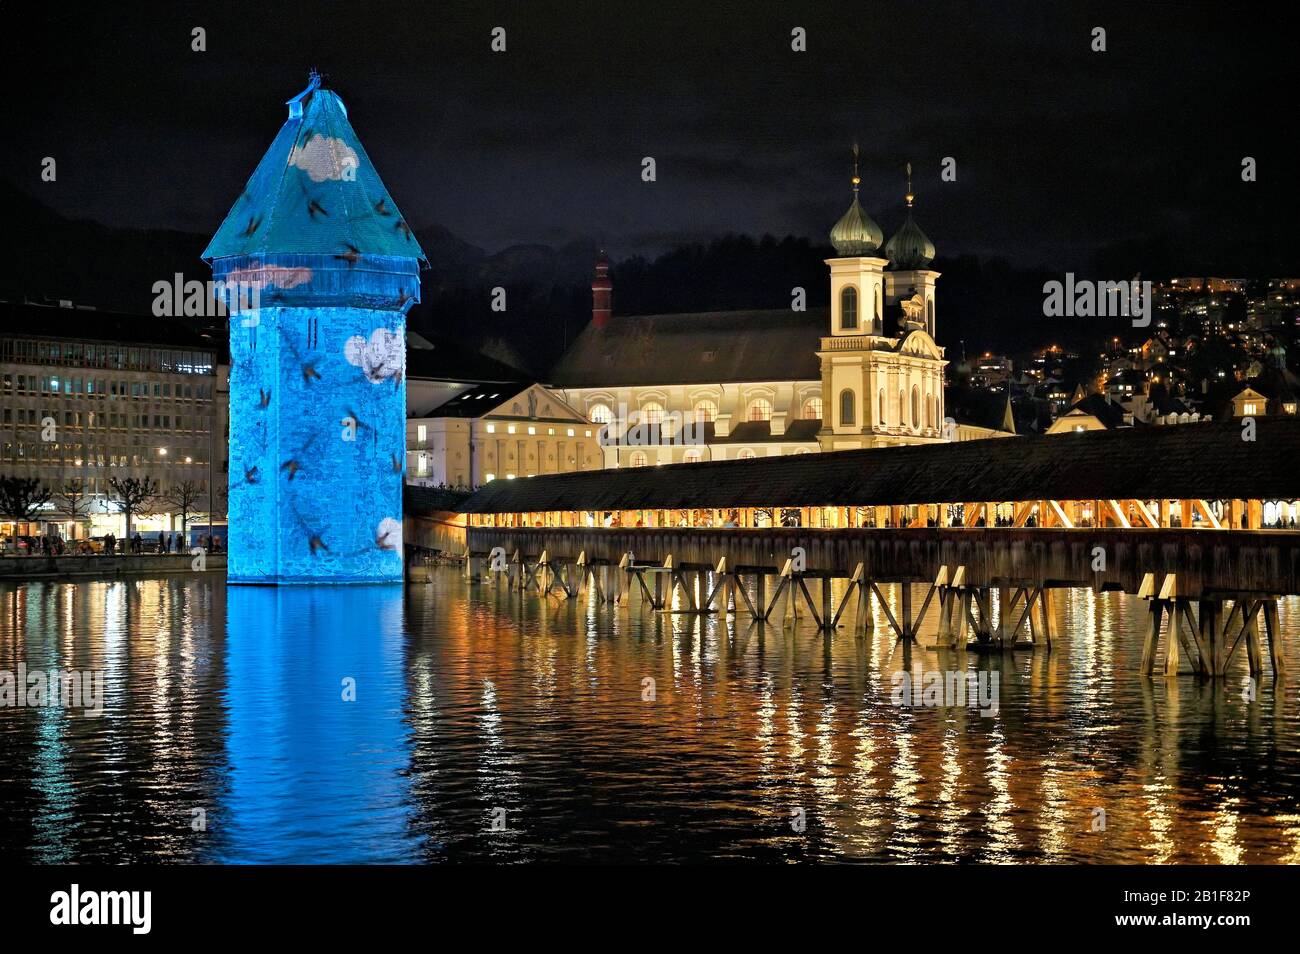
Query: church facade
{"points": [[865, 372]]}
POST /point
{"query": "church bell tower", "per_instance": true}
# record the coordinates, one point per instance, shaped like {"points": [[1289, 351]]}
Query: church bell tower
{"points": [[882, 373]]}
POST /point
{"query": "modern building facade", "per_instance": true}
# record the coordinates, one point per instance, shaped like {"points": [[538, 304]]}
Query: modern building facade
{"points": [[86, 396]]}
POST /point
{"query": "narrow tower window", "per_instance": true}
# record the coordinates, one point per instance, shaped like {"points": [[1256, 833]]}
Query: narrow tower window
{"points": [[848, 411], [849, 307]]}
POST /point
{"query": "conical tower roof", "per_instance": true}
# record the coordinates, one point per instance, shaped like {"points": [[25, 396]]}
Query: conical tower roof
{"points": [[315, 192]]}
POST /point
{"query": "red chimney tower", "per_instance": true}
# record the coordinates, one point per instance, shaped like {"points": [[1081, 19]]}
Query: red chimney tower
{"points": [[602, 293]]}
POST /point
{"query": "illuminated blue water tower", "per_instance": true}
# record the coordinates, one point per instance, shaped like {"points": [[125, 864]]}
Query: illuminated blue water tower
{"points": [[316, 246]]}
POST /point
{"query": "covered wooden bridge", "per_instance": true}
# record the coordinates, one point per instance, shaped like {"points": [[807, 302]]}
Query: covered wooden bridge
{"points": [[1200, 513]]}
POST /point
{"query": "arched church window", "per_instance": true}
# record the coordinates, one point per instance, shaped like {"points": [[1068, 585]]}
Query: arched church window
{"points": [[916, 406], [600, 414], [638, 459], [812, 409], [902, 406], [848, 410], [706, 411], [929, 313], [849, 307], [879, 311], [652, 412], [882, 407], [929, 411], [745, 454], [692, 456], [760, 409]]}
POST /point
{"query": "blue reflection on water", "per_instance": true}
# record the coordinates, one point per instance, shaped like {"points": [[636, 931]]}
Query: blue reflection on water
{"points": [[311, 775]]}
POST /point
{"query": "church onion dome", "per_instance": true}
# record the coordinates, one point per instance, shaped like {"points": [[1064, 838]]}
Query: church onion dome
{"points": [[856, 235], [909, 248]]}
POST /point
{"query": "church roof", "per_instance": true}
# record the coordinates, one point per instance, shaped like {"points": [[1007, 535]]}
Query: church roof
{"points": [[315, 192], [701, 348]]}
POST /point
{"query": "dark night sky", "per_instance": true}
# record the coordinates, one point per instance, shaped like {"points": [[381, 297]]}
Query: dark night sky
{"points": [[1060, 151]]}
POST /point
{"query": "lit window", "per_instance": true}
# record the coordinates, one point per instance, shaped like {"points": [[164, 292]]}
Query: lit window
{"points": [[551, 432], [745, 454], [812, 409], [652, 412], [510, 428], [570, 432], [760, 409], [638, 459], [491, 428], [692, 456], [421, 433], [600, 414], [705, 412], [510, 476], [532, 430], [488, 478]]}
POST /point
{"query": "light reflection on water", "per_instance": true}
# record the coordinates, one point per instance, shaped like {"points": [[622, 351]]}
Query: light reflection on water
{"points": [[474, 706]]}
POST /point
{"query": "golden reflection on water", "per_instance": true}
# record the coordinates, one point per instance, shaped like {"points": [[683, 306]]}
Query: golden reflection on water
{"points": [[618, 733]]}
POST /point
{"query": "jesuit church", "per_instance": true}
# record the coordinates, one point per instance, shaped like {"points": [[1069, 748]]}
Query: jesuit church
{"points": [[865, 372]]}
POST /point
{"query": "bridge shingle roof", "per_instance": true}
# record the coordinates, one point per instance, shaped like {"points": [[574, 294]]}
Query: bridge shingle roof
{"points": [[1184, 461]]}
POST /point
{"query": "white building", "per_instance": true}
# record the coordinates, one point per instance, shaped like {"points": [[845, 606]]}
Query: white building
{"points": [[865, 372], [495, 430]]}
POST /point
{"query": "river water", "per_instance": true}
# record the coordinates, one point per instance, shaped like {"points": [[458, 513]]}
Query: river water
{"points": [[452, 722]]}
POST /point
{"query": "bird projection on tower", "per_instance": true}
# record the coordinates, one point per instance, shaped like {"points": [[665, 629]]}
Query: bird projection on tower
{"points": [[318, 362]]}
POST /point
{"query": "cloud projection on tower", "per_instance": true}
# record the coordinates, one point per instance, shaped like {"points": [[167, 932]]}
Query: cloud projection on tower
{"points": [[317, 378]]}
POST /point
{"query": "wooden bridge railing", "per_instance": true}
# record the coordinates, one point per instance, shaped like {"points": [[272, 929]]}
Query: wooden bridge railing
{"points": [[1205, 562]]}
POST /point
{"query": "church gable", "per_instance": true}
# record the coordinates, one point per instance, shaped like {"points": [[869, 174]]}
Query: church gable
{"points": [[921, 344], [536, 403]]}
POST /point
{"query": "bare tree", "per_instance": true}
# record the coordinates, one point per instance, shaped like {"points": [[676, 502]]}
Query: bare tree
{"points": [[72, 500], [21, 497], [185, 496], [132, 495]]}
